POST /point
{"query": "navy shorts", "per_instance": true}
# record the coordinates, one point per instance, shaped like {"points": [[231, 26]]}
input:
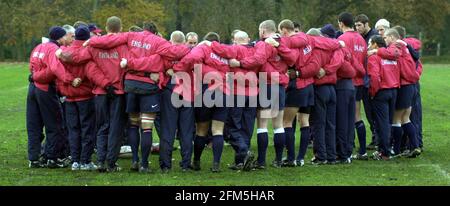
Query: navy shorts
{"points": [[265, 100], [405, 96], [359, 93], [300, 98], [218, 111], [143, 103]]}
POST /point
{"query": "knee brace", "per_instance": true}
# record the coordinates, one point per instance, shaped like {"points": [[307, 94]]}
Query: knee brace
{"points": [[147, 122], [134, 120], [202, 129]]}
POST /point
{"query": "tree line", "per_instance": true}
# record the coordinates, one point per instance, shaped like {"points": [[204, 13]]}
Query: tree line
{"points": [[23, 23]]}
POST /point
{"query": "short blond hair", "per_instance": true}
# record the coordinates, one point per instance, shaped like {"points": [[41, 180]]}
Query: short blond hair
{"points": [[392, 33], [114, 24], [286, 24]]}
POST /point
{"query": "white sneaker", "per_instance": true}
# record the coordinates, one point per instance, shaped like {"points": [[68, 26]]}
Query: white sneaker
{"points": [[88, 167], [300, 163], [76, 166], [125, 149]]}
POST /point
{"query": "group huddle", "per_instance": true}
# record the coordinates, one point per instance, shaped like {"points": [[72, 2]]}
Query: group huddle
{"points": [[91, 90]]}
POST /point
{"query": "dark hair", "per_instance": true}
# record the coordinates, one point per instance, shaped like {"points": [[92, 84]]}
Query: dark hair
{"points": [[297, 25], [212, 36], [362, 18], [401, 31], [379, 40], [79, 23], [347, 19], [151, 27], [135, 29]]}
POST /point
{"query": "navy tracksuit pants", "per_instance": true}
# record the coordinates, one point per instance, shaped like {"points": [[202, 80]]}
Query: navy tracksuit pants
{"points": [[368, 109], [241, 123], [175, 121], [43, 110], [384, 107], [62, 145], [80, 120], [324, 122], [110, 122], [345, 121], [416, 114], [157, 123]]}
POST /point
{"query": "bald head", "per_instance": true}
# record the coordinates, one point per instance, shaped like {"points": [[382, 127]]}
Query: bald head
{"points": [[177, 37], [192, 39], [314, 32], [267, 28], [241, 37], [233, 34]]}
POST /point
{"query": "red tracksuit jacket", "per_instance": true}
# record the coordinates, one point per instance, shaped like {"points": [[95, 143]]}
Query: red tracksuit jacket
{"points": [[84, 91], [140, 44], [268, 60], [46, 68], [213, 66], [301, 47], [104, 69], [405, 63], [357, 46], [156, 64], [384, 74], [184, 81], [417, 45], [330, 61], [240, 52]]}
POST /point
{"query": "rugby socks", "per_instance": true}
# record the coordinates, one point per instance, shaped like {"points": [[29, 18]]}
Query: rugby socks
{"points": [[290, 143], [361, 131], [146, 146], [304, 141], [411, 132], [279, 142], [199, 144], [133, 140], [397, 133], [263, 142], [217, 146], [406, 144]]}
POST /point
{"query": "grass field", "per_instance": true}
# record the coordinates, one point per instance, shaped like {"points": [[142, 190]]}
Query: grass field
{"points": [[432, 168]]}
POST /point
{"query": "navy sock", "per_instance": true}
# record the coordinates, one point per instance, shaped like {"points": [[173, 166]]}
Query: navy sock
{"points": [[361, 131], [133, 140], [411, 132], [397, 135], [199, 145], [279, 141], [263, 142], [217, 146], [290, 143], [405, 141], [304, 141], [146, 146]]}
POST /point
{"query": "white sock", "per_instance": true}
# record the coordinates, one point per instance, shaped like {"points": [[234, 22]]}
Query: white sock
{"points": [[278, 131], [261, 131]]}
